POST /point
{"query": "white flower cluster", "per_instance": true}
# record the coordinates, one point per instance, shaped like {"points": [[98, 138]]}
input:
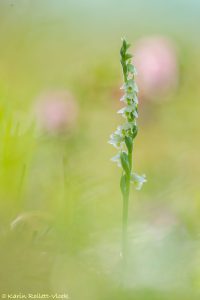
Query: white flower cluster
{"points": [[124, 135]]}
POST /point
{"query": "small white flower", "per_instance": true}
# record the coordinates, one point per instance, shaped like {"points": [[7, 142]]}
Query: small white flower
{"points": [[116, 140], [127, 110], [138, 180], [117, 159]]}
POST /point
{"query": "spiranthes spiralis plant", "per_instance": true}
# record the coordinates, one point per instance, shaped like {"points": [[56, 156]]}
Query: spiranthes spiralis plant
{"points": [[124, 136]]}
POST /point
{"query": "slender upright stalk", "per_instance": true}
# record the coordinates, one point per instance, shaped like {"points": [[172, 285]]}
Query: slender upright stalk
{"points": [[125, 222], [125, 210], [123, 138]]}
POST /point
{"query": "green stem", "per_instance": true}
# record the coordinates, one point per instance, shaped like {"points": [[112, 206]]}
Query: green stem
{"points": [[125, 220], [125, 212]]}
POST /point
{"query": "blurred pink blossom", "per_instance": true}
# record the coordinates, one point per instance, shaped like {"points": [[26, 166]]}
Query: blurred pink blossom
{"points": [[156, 62], [56, 111]]}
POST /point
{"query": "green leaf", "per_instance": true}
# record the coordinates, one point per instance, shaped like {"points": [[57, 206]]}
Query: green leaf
{"points": [[125, 162], [123, 184], [128, 56], [129, 143], [134, 131]]}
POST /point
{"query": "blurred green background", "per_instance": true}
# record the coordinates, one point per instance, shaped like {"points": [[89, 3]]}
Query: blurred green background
{"points": [[60, 203]]}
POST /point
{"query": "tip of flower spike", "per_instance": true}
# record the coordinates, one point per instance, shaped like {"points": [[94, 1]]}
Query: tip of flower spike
{"points": [[124, 42], [123, 39]]}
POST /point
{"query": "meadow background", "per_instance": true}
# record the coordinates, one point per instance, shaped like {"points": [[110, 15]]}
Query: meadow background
{"points": [[60, 204]]}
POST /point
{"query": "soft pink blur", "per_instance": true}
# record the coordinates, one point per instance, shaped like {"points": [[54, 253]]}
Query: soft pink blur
{"points": [[156, 62], [56, 111]]}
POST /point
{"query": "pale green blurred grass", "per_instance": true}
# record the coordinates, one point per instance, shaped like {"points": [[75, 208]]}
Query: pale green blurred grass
{"points": [[65, 190]]}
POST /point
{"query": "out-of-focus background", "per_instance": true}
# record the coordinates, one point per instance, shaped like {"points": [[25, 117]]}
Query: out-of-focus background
{"points": [[60, 203]]}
